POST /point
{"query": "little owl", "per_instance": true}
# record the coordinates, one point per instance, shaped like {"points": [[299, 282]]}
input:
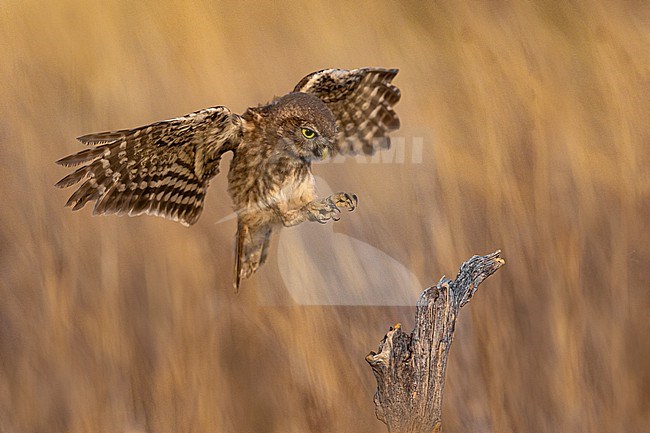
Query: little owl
{"points": [[165, 168]]}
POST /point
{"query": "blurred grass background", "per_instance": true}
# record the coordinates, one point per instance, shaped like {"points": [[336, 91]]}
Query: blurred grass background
{"points": [[537, 142]]}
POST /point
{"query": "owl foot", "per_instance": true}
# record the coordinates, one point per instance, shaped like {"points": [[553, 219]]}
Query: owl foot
{"points": [[330, 207], [344, 200]]}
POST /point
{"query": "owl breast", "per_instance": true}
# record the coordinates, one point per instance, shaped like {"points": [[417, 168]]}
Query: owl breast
{"points": [[264, 185], [295, 192]]}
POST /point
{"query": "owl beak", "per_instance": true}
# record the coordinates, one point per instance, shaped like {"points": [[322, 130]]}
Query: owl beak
{"points": [[324, 153], [321, 152]]}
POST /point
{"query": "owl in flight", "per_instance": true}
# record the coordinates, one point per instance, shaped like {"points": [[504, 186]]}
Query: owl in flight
{"points": [[165, 168]]}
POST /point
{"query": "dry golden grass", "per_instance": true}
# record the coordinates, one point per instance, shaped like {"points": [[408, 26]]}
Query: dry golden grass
{"points": [[537, 141]]}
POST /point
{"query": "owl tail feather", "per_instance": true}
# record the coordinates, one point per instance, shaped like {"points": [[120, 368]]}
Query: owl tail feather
{"points": [[251, 250]]}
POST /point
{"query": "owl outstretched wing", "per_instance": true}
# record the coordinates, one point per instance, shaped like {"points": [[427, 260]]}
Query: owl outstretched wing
{"points": [[161, 169], [362, 101]]}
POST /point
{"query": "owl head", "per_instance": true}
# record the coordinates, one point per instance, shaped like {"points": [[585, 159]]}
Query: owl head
{"points": [[304, 125]]}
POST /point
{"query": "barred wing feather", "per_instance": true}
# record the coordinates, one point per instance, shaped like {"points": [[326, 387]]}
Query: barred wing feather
{"points": [[161, 169]]}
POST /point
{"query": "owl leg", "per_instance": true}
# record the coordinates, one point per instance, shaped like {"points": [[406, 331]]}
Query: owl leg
{"points": [[321, 210], [252, 247]]}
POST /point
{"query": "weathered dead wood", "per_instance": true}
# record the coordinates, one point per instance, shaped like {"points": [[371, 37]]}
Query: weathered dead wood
{"points": [[410, 369]]}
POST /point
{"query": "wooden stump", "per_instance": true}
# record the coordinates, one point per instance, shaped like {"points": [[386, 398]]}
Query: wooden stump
{"points": [[410, 369]]}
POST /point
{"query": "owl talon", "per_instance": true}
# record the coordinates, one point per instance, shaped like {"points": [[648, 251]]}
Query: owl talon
{"points": [[345, 200], [353, 201]]}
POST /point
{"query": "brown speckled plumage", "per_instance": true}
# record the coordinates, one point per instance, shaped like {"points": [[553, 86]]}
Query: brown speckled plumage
{"points": [[164, 169]]}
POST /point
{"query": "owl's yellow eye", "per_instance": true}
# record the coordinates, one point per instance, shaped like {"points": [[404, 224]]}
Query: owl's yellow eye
{"points": [[308, 133]]}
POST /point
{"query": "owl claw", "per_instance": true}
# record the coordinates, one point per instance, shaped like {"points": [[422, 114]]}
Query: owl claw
{"points": [[343, 199], [330, 208], [355, 202], [330, 212]]}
